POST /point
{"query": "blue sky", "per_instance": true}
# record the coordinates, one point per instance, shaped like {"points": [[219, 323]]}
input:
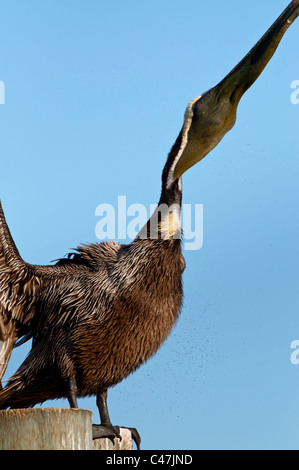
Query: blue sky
{"points": [[95, 94]]}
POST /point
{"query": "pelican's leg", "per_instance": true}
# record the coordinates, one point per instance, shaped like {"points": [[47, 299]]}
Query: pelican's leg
{"points": [[72, 393], [106, 429]]}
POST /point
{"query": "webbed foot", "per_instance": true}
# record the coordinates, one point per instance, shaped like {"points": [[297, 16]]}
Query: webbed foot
{"points": [[100, 431], [135, 436]]}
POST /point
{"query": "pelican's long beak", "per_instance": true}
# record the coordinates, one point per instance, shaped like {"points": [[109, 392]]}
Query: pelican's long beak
{"points": [[209, 117]]}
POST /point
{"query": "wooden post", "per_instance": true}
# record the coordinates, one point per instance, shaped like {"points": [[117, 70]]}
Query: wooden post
{"points": [[46, 429], [54, 429]]}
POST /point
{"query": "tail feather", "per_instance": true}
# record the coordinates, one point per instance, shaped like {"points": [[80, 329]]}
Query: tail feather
{"points": [[9, 395], [19, 394]]}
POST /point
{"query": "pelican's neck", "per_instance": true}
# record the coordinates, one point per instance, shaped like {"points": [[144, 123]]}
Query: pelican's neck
{"points": [[171, 192], [172, 185], [165, 223]]}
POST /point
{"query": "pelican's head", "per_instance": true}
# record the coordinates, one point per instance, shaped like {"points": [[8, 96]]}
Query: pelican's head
{"points": [[210, 116]]}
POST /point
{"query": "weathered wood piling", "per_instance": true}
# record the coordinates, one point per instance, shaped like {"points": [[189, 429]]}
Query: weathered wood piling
{"points": [[54, 429]]}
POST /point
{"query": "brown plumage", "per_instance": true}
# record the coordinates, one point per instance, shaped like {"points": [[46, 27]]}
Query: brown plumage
{"points": [[91, 321], [97, 315]]}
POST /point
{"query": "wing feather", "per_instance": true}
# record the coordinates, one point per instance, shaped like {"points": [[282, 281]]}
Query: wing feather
{"points": [[19, 287], [25, 288]]}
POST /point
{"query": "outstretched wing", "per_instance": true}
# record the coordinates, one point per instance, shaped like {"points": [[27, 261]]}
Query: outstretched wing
{"points": [[25, 289], [19, 288]]}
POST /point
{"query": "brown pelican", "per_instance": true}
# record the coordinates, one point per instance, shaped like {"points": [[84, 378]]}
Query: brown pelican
{"points": [[97, 315]]}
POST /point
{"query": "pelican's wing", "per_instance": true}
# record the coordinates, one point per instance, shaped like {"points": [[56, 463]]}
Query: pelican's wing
{"points": [[19, 287], [26, 288]]}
